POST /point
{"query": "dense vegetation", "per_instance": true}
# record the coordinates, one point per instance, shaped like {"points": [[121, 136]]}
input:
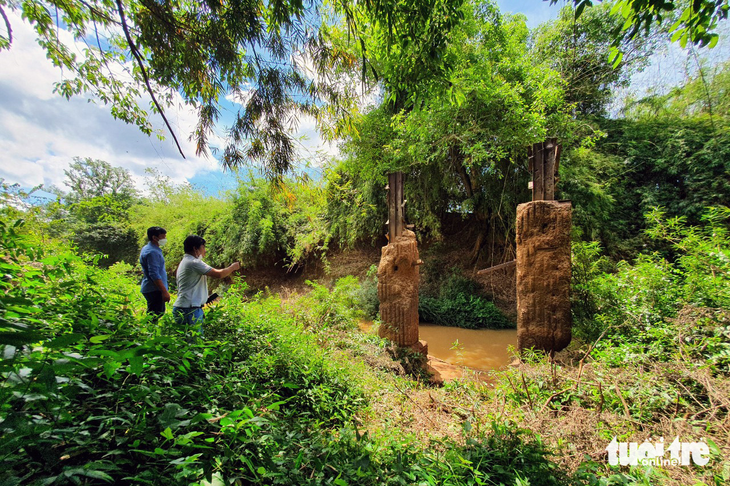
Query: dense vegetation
{"points": [[286, 389], [103, 395]]}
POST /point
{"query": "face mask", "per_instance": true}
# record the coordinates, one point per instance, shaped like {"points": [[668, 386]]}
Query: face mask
{"points": [[162, 242]]}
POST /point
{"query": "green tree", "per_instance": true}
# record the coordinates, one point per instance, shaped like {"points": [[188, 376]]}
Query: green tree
{"points": [[704, 95], [678, 164], [252, 50], [88, 178], [579, 49], [94, 215], [464, 148]]}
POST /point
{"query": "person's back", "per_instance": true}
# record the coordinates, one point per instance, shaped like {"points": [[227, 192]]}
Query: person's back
{"points": [[154, 280]]}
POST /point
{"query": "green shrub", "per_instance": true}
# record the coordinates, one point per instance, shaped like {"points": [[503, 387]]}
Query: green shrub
{"points": [[91, 391], [467, 311], [456, 284], [459, 303], [367, 294], [646, 307]]}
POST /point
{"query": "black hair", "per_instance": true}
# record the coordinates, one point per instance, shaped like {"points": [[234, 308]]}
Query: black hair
{"points": [[192, 242], [155, 231]]}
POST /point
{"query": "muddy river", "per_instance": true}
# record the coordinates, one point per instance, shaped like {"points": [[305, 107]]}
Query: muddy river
{"points": [[483, 349]]}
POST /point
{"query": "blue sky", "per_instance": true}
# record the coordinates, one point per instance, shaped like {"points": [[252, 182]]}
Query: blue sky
{"points": [[41, 132]]}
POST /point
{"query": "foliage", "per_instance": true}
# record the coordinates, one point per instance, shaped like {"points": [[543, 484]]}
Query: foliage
{"points": [[587, 179], [89, 179], [274, 58], [467, 311], [461, 147], [636, 303], [704, 254], [703, 95], [336, 308], [117, 242], [182, 210], [94, 216], [409, 53], [271, 223], [587, 265], [92, 393], [367, 295], [694, 22], [357, 208], [460, 304], [578, 48], [676, 164], [14, 201]]}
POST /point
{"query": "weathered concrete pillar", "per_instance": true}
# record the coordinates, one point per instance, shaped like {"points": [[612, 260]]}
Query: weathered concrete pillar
{"points": [[543, 275], [398, 290]]}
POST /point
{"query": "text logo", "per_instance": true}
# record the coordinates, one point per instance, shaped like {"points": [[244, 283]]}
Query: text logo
{"points": [[648, 454]]}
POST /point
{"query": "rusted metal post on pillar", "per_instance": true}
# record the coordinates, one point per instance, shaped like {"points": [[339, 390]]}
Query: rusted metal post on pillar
{"points": [[543, 257], [398, 275], [395, 205], [544, 162]]}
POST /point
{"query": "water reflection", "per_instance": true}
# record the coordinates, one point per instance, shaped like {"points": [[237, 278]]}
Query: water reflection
{"points": [[483, 349]]}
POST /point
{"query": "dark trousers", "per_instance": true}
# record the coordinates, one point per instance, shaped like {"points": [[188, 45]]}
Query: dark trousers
{"points": [[155, 304]]}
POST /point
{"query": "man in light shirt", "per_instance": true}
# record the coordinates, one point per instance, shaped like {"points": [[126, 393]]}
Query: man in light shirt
{"points": [[192, 282]]}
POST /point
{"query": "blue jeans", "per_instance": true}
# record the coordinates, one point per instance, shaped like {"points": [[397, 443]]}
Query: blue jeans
{"points": [[192, 317]]}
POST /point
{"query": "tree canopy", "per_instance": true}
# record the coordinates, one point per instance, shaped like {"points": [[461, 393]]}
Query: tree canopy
{"points": [[460, 139], [273, 57], [692, 21], [88, 178], [579, 49]]}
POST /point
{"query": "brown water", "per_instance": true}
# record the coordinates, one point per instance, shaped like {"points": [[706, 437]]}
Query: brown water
{"points": [[483, 349]]}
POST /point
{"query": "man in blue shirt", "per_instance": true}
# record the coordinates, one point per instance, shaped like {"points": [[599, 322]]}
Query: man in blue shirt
{"points": [[154, 282]]}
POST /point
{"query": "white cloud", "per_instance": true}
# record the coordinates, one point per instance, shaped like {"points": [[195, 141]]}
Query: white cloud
{"points": [[311, 147], [41, 132]]}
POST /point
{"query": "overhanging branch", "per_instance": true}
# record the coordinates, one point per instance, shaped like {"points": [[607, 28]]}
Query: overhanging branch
{"points": [[138, 57], [7, 24]]}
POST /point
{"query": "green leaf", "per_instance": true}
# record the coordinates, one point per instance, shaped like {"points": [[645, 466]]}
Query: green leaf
{"points": [[20, 338], [97, 475], [111, 367], [276, 405], [615, 57], [136, 365], [64, 340], [167, 434], [100, 338]]}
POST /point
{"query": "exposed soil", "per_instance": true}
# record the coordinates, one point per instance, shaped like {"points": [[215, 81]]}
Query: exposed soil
{"points": [[278, 279]]}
